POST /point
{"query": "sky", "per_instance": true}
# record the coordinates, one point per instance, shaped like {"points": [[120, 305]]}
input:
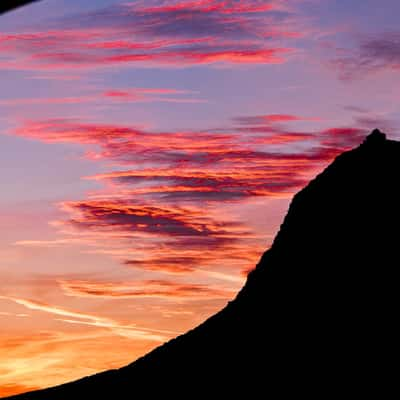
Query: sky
{"points": [[149, 152]]}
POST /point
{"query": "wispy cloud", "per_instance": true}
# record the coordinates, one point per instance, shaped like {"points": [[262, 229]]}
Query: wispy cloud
{"points": [[268, 119], [372, 53], [252, 159], [161, 212], [132, 95], [151, 288], [123, 217], [174, 34], [37, 358], [8, 314], [75, 317]]}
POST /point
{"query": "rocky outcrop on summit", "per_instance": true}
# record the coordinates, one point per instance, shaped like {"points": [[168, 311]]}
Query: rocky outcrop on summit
{"points": [[316, 317]]}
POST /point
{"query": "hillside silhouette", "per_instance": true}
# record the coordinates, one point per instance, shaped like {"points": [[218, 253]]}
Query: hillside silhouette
{"points": [[8, 5], [317, 316]]}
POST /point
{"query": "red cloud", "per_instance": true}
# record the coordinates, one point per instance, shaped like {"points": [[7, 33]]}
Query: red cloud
{"points": [[270, 119], [281, 117], [187, 56], [127, 144], [208, 32], [138, 93], [120, 216], [194, 185], [191, 261], [210, 6], [202, 166], [165, 218], [150, 288]]}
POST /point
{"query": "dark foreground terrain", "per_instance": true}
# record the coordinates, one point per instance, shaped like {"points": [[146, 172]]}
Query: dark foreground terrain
{"points": [[8, 5], [316, 318]]}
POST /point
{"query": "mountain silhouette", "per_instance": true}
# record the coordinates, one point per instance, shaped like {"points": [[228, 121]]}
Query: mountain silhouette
{"points": [[8, 5], [316, 317]]}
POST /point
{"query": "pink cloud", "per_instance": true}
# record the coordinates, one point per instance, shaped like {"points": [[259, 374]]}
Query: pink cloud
{"points": [[208, 32], [209, 6], [202, 166], [115, 95], [160, 212], [270, 119]]}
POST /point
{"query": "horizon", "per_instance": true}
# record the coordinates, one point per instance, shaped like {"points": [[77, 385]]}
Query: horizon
{"points": [[150, 151]]}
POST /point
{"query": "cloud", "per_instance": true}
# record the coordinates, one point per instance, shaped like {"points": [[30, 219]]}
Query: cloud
{"points": [[130, 144], [209, 6], [62, 355], [356, 109], [74, 317], [48, 243], [127, 217], [205, 166], [8, 314], [151, 288], [172, 240], [369, 119], [132, 95], [336, 138], [209, 165], [174, 34], [15, 388], [162, 209], [172, 264], [194, 185], [373, 53], [190, 261], [151, 95], [45, 101], [113, 139], [268, 119]]}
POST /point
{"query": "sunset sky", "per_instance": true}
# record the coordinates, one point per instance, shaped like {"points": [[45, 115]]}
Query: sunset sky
{"points": [[149, 151]]}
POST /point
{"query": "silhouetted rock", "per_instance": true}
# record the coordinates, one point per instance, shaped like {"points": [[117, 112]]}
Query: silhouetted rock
{"points": [[8, 5], [376, 137], [318, 315]]}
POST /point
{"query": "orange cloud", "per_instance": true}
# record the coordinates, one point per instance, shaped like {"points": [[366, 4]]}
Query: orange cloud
{"points": [[45, 358], [151, 288], [15, 388], [74, 317]]}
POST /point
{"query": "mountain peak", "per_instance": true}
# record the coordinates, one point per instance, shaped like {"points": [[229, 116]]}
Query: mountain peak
{"points": [[376, 137], [317, 314]]}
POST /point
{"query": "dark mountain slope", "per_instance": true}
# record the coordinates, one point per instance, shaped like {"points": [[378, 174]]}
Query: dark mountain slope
{"points": [[8, 5], [317, 316]]}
